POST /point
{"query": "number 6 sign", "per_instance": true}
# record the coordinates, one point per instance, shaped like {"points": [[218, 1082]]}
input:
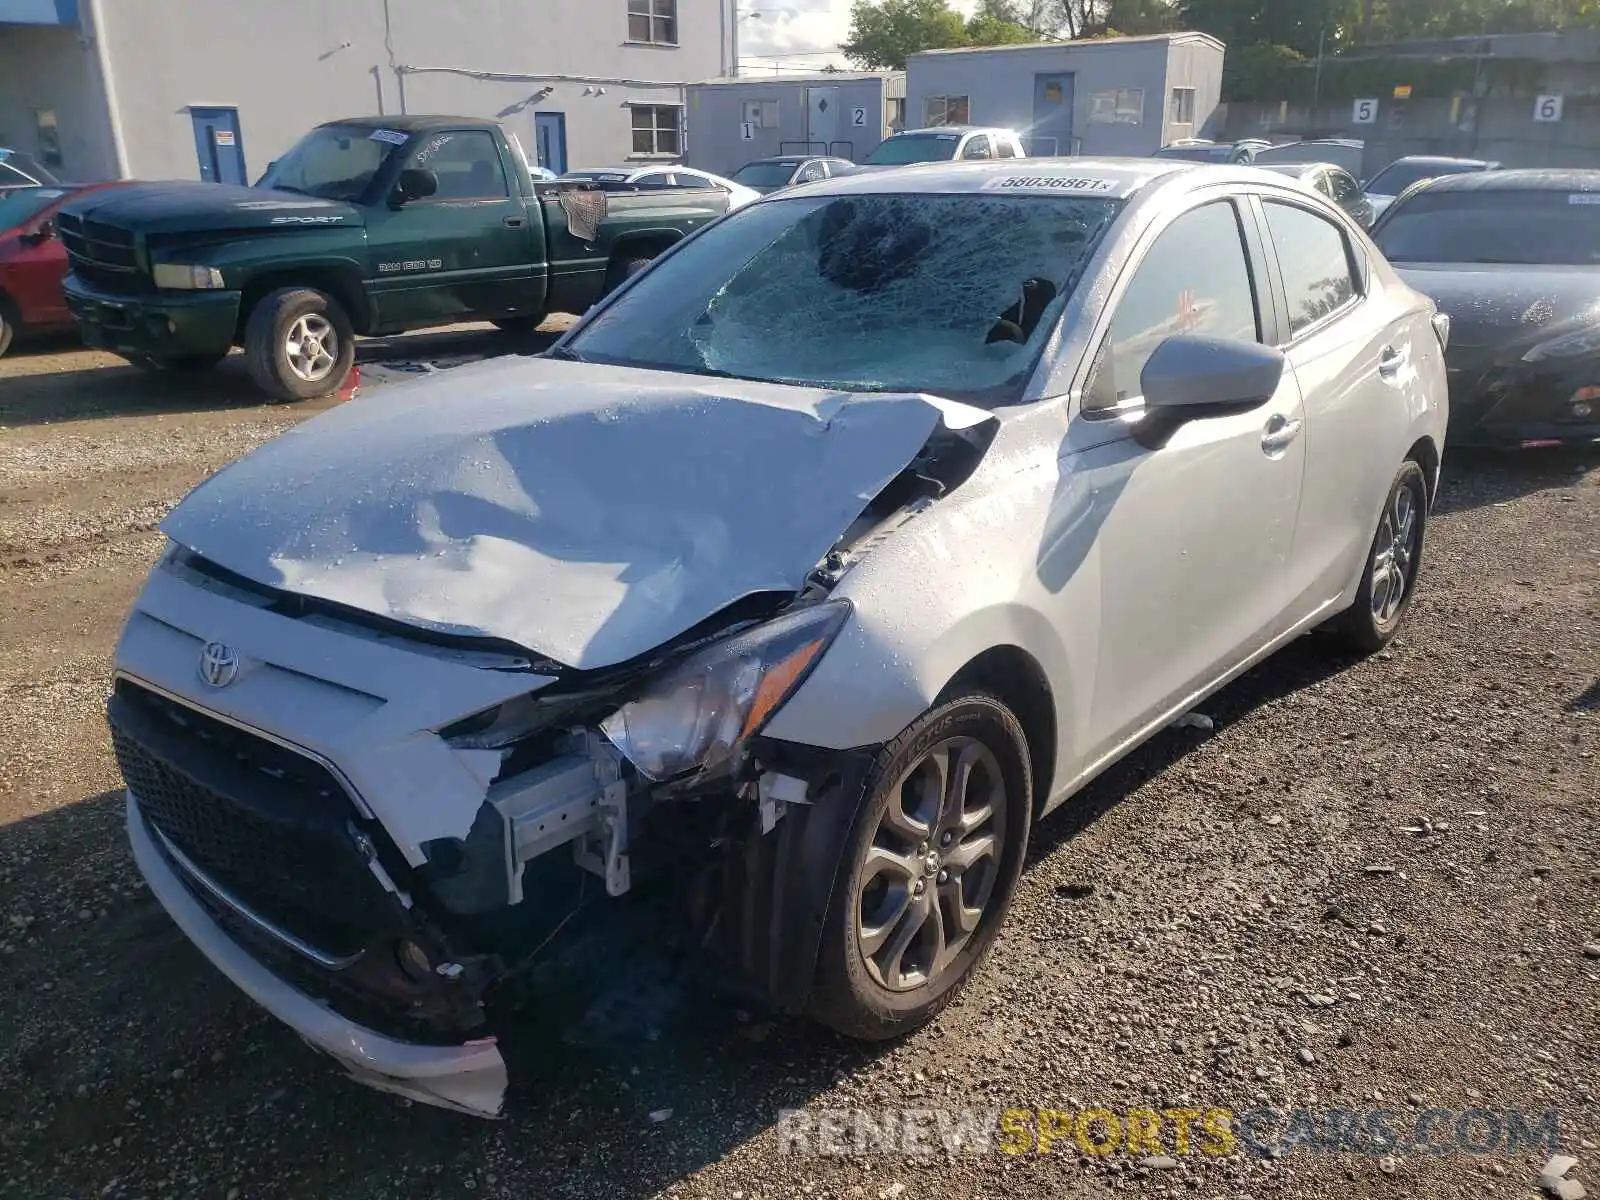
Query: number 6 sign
{"points": [[1366, 112], [1547, 108]]}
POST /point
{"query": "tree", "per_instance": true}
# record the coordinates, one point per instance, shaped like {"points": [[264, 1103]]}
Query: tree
{"points": [[1300, 26], [882, 35], [985, 30], [1140, 17]]}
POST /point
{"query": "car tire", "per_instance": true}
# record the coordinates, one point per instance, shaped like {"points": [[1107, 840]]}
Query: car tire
{"points": [[1394, 558], [298, 344], [8, 326], [879, 973], [179, 362]]}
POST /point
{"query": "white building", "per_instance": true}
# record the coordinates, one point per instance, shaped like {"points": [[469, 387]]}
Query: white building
{"points": [[215, 89]]}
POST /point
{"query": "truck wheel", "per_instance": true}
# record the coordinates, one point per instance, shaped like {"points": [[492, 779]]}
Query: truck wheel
{"points": [[176, 362], [298, 344], [932, 863], [623, 269]]}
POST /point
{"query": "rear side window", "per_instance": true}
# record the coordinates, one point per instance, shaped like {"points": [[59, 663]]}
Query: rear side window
{"points": [[1195, 278], [1315, 260], [810, 173]]}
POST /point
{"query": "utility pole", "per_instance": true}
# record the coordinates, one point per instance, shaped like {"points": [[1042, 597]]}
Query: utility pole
{"points": [[1316, 85]]}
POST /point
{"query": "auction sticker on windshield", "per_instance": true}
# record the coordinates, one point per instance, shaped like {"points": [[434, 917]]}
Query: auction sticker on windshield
{"points": [[1050, 183], [393, 136], [1584, 198]]}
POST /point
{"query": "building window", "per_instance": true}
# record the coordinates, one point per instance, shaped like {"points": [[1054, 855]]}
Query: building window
{"points": [[762, 114], [1117, 106], [653, 21], [655, 129], [895, 110], [946, 110], [1182, 106]]}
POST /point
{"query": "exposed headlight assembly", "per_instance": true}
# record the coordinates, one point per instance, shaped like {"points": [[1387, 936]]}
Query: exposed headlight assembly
{"points": [[695, 714], [186, 277], [1585, 341]]}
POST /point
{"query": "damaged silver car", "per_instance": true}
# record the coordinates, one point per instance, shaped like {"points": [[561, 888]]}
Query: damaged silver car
{"points": [[801, 577]]}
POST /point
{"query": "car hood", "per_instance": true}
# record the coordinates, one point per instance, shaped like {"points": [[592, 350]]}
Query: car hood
{"points": [[585, 513], [187, 207], [1507, 305]]}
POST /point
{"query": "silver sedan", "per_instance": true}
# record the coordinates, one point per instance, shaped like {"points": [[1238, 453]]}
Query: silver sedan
{"points": [[810, 568]]}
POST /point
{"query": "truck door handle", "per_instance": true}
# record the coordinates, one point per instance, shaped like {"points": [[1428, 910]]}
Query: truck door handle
{"points": [[1279, 432], [514, 222]]}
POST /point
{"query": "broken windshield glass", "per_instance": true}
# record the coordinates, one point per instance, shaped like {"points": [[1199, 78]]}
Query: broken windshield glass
{"points": [[953, 295]]}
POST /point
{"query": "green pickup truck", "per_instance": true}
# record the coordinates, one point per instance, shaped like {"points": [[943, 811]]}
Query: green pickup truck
{"points": [[371, 225]]}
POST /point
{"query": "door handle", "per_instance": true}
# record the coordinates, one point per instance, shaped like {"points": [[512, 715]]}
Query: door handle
{"points": [[514, 222], [1390, 362], [1280, 431]]}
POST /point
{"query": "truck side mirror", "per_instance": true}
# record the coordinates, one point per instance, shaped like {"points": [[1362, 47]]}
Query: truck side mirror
{"points": [[40, 233], [415, 183]]}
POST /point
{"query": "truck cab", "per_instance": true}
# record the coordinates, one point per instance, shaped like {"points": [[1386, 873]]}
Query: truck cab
{"points": [[366, 226]]}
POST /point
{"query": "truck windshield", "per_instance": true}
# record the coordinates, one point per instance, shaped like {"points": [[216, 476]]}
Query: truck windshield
{"points": [[914, 148], [334, 162], [952, 295], [765, 174]]}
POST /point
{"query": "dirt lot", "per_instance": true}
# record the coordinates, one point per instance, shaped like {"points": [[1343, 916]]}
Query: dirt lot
{"points": [[1204, 928]]}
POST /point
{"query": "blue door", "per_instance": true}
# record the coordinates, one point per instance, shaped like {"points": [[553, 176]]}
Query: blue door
{"points": [[550, 141], [219, 145], [1051, 133]]}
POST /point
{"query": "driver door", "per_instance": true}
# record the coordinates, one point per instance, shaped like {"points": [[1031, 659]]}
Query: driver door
{"points": [[1191, 533]]}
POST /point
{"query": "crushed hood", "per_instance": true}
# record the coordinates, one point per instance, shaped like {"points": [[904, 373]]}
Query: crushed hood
{"points": [[583, 512], [189, 207]]}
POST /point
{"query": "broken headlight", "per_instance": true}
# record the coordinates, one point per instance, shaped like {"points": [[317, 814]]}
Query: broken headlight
{"points": [[695, 714]]}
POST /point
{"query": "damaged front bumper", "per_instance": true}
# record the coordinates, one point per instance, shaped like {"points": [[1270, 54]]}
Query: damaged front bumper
{"points": [[469, 1078]]}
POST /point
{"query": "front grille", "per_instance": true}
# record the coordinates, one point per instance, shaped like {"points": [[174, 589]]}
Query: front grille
{"points": [[270, 825], [101, 255]]}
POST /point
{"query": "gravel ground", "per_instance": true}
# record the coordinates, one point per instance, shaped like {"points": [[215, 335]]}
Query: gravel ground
{"points": [[1369, 886]]}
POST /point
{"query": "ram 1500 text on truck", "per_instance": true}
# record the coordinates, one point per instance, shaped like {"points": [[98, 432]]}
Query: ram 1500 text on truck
{"points": [[371, 225]]}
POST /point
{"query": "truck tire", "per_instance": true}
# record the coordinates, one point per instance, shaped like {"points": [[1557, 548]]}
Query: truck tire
{"points": [[623, 269], [298, 344]]}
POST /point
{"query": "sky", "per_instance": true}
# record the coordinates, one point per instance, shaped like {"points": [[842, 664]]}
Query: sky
{"points": [[797, 36]]}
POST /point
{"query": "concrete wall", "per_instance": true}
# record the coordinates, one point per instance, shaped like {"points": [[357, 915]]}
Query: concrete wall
{"points": [[49, 66], [289, 65], [1499, 128], [716, 110], [1000, 84]]}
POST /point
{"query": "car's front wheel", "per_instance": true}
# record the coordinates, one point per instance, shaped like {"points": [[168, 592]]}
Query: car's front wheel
{"points": [[931, 866], [1393, 563]]}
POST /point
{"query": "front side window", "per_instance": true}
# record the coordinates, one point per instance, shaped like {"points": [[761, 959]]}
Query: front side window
{"points": [[1315, 260], [653, 21], [1543, 228], [335, 162], [655, 129], [1195, 278], [953, 295], [467, 164]]}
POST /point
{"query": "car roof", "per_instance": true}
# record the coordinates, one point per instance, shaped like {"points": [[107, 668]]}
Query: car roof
{"points": [[1108, 178], [1534, 179]]}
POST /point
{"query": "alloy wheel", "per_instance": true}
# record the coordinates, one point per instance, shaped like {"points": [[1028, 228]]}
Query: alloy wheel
{"points": [[311, 347], [1394, 552]]}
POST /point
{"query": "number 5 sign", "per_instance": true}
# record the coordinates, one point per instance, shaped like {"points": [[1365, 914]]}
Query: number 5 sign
{"points": [[1547, 108], [1366, 112]]}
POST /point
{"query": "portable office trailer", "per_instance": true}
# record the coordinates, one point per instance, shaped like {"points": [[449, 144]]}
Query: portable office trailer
{"points": [[728, 122], [1117, 96]]}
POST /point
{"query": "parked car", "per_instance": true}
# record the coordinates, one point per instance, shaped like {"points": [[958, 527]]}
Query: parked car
{"points": [[943, 143], [767, 175], [804, 572], [1207, 151], [366, 226], [1333, 182], [1513, 257], [1341, 152], [664, 178], [19, 170], [32, 262], [1388, 183]]}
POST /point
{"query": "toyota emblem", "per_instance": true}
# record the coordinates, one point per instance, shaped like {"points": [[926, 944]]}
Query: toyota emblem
{"points": [[219, 665]]}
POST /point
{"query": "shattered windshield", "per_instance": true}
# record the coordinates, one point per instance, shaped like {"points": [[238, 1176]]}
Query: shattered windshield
{"points": [[951, 295], [334, 162]]}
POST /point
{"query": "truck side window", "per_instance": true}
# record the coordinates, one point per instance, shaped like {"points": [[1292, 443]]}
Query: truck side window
{"points": [[467, 163]]}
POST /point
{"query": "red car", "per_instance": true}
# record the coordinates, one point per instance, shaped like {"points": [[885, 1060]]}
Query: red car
{"points": [[32, 262]]}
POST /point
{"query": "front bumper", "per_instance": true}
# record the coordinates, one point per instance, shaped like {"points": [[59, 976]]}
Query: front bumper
{"points": [[1498, 405], [469, 1078], [161, 324]]}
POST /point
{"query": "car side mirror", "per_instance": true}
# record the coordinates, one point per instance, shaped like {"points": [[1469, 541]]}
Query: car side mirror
{"points": [[1191, 375], [415, 183]]}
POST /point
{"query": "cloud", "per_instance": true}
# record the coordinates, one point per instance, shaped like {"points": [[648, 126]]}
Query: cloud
{"points": [[798, 35]]}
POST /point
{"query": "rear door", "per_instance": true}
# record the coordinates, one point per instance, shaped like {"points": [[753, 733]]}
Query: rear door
{"points": [[1193, 533], [467, 250], [1349, 365]]}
